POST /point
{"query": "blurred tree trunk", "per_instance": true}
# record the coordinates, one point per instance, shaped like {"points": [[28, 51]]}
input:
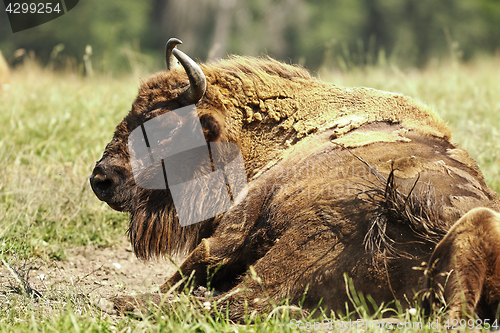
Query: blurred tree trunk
{"points": [[223, 21], [190, 21]]}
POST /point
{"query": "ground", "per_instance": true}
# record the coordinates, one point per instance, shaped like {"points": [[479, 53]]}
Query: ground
{"points": [[96, 272]]}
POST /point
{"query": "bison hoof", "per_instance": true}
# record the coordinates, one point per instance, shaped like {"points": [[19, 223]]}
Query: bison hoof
{"points": [[136, 305], [106, 306]]}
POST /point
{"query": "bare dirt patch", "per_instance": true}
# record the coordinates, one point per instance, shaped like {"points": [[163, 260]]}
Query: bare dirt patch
{"points": [[90, 271]]}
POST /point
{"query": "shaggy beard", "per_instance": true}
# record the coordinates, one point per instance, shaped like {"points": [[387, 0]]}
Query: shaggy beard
{"points": [[155, 230]]}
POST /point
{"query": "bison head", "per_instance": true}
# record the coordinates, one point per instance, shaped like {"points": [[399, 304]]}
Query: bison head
{"points": [[111, 177], [153, 229]]}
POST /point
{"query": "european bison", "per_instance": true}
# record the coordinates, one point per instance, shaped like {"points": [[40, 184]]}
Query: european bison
{"points": [[340, 181]]}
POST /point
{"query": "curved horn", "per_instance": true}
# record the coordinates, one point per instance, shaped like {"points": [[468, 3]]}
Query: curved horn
{"points": [[197, 81], [169, 58]]}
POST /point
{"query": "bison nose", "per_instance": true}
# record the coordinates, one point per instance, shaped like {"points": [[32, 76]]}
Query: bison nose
{"points": [[102, 186]]}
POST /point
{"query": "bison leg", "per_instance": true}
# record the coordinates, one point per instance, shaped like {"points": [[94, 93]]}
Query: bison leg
{"points": [[196, 262], [223, 253], [214, 254], [209, 254], [135, 305], [287, 270], [465, 266], [227, 252]]}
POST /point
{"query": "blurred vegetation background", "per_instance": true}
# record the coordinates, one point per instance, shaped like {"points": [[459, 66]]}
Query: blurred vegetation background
{"points": [[117, 36]]}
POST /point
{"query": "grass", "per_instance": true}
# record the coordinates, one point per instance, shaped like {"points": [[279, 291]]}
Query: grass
{"points": [[54, 127], [53, 130]]}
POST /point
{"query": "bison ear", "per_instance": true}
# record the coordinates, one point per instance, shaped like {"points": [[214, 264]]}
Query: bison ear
{"points": [[211, 127]]}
